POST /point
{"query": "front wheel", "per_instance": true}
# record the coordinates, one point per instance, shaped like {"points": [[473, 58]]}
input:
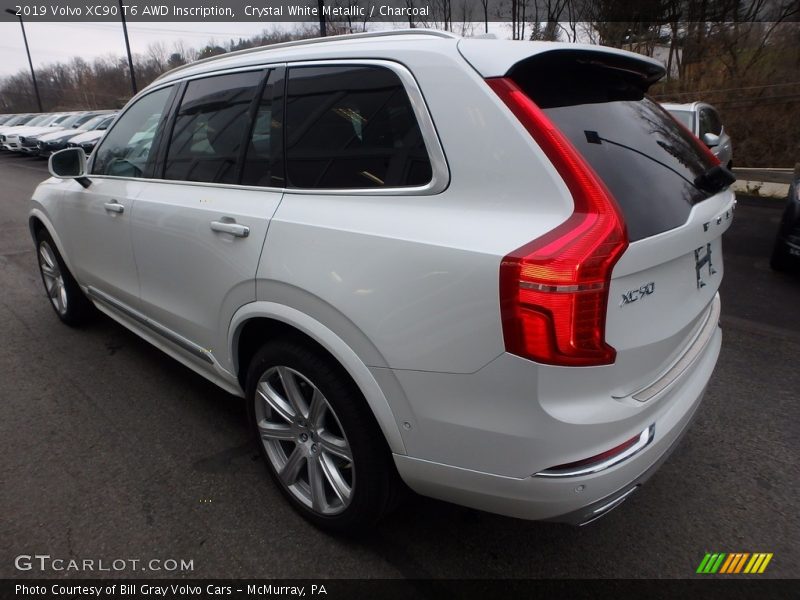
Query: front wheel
{"points": [[65, 295], [319, 438]]}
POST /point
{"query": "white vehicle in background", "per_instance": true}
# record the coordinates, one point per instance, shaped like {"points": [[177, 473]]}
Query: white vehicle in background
{"points": [[486, 268], [704, 121], [66, 123], [43, 123], [46, 143], [86, 141], [23, 124], [16, 121]]}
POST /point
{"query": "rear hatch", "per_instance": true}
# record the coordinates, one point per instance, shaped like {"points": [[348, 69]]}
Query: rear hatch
{"points": [[673, 198]]}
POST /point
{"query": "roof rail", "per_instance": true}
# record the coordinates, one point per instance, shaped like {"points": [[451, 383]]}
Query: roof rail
{"points": [[318, 40]]}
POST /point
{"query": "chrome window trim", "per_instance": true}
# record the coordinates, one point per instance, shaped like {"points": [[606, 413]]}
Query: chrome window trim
{"points": [[440, 173]]}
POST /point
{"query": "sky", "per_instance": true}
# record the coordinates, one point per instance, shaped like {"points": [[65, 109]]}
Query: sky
{"points": [[54, 42], [59, 42]]}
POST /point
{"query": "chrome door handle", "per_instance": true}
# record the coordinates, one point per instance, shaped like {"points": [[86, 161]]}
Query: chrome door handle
{"points": [[233, 228], [114, 206]]}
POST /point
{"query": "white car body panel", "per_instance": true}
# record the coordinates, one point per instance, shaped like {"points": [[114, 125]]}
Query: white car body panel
{"points": [[401, 287], [98, 240], [192, 279]]}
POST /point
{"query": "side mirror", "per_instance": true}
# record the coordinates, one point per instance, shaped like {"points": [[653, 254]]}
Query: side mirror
{"points": [[69, 163], [710, 139]]}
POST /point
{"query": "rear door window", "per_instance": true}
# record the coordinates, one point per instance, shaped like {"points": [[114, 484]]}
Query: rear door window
{"points": [[210, 128], [352, 127]]}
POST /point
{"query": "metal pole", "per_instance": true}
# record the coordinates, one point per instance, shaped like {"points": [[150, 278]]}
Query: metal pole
{"points": [[30, 62], [127, 47], [321, 8]]}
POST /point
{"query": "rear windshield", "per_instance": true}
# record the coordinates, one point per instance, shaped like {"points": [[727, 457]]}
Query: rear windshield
{"points": [[647, 161]]}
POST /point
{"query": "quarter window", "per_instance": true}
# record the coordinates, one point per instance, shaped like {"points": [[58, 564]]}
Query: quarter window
{"points": [[126, 148], [210, 128], [352, 127]]}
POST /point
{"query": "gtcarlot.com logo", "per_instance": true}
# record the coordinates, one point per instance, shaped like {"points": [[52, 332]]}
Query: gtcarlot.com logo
{"points": [[45, 562], [734, 563]]}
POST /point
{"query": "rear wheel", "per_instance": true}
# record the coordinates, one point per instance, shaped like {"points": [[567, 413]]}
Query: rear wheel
{"points": [[318, 438], [65, 295]]}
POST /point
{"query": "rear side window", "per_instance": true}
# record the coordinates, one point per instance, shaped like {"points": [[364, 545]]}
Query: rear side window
{"points": [[352, 127], [648, 162], [210, 128]]}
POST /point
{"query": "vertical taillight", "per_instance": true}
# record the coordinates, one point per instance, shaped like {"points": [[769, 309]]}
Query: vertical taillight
{"points": [[554, 290]]}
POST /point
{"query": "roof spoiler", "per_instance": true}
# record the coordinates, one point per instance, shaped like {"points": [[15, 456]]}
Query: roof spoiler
{"points": [[503, 58]]}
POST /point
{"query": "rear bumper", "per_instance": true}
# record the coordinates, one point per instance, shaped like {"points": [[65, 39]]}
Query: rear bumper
{"points": [[578, 499]]}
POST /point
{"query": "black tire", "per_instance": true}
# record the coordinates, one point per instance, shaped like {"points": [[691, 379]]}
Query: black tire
{"points": [[375, 482], [70, 305], [780, 260]]}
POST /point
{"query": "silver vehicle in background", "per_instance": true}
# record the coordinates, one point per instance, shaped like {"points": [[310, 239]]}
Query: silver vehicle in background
{"points": [[704, 121]]}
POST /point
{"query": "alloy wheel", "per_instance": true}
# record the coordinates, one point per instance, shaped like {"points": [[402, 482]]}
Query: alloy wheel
{"points": [[53, 278], [304, 441]]}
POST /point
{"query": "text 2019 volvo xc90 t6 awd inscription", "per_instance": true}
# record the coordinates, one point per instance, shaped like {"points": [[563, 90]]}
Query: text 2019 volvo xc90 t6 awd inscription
{"points": [[486, 269]]}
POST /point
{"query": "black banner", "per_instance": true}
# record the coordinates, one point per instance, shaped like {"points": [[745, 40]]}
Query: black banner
{"points": [[396, 589], [441, 13]]}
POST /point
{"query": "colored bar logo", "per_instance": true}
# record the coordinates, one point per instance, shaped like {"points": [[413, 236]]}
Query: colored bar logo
{"points": [[734, 563]]}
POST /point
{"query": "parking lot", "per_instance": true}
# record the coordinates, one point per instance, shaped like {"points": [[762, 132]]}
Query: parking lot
{"points": [[112, 450]]}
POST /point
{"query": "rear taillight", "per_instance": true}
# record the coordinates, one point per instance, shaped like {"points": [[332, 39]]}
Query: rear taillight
{"points": [[554, 290]]}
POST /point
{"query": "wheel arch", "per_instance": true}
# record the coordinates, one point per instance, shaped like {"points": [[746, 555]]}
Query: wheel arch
{"points": [[260, 321], [37, 220]]}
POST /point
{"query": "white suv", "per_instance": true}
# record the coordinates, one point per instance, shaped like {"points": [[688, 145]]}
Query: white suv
{"points": [[486, 269]]}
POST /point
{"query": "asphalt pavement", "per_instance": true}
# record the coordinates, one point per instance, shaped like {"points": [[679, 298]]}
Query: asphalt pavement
{"points": [[110, 450]]}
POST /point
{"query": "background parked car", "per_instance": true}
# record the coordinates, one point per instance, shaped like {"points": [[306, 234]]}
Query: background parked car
{"points": [[786, 253], [703, 120], [46, 143], [68, 123], [16, 121], [41, 123], [87, 141], [34, 122], [19, 140]]}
